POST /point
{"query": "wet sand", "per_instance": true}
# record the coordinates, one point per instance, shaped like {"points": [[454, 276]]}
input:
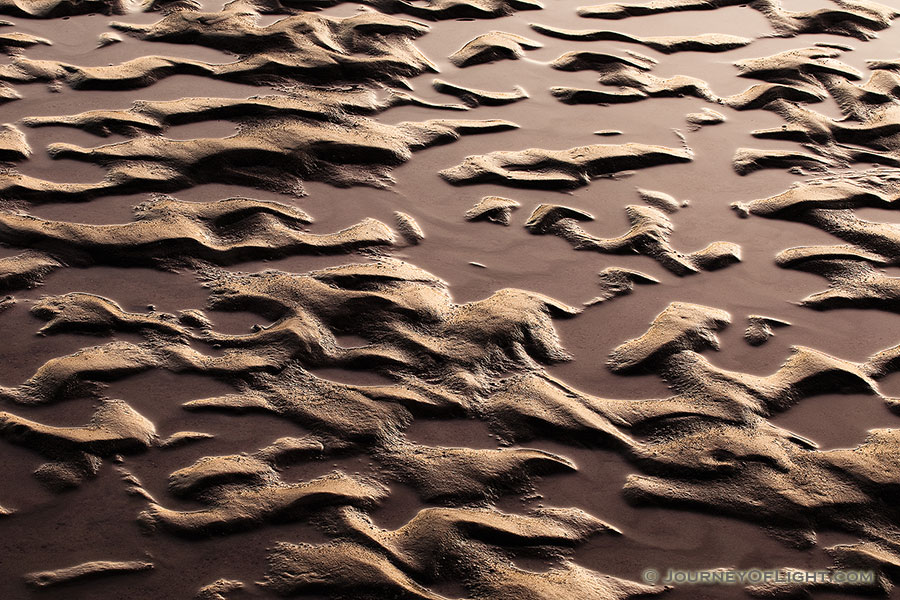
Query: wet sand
{"points": [[447, 299]]}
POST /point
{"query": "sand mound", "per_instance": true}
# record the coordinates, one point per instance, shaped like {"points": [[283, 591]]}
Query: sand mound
{"points": [[859, 19], [434, 10], [706, 42], [492, 208], [760, 329], [168, 233], [275, 152], [53, 9], [560, 169], [851, 269], [100, 568], [473, 97], [649, 235], [493, 46], [440, 544]]}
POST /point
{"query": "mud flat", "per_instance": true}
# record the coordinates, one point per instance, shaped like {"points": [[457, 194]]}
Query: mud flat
{"points": [[331, 299]]}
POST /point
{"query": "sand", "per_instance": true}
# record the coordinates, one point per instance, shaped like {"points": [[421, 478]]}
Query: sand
{"points": [[330, 300]]}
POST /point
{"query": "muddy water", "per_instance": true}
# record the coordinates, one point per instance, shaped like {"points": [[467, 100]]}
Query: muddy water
{"points": [[98, 520]]}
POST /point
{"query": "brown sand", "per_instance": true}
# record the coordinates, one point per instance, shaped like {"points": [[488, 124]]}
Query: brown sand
{"points": [[320, 369]]}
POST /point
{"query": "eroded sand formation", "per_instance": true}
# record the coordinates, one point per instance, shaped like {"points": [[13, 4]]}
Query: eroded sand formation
{"points": [[560, 169], [437, 10], [47, 9], [493, 46], [709, 42], [442, 544], [854, 18], [168, 233], [372, 435], [309, 47], [275, 153], [850, 268], [761, 328], [493, 208], [751, 468], [86, 570], [648, 235]]}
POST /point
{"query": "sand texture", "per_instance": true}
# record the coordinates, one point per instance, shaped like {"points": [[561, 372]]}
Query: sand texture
{"points": [[336, 300]]}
